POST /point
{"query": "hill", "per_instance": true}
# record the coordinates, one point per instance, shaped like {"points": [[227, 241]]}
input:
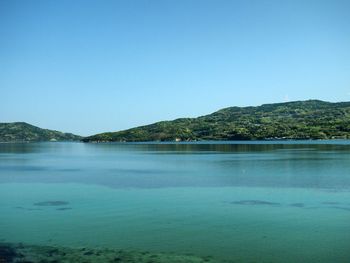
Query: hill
{"points": [[312, 119], [24, 132]]}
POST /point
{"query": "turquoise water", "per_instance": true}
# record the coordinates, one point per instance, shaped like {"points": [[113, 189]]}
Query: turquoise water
{"points": [[245, 202]]}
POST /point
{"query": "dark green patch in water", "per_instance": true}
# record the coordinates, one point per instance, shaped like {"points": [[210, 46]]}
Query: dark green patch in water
{"points": [[7, 253], [298, 205], [253, 202], [15, 253], [63, 208], [51, 203]]}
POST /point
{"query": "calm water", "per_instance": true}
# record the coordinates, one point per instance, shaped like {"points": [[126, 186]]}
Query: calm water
{"points": [[246, 202]]}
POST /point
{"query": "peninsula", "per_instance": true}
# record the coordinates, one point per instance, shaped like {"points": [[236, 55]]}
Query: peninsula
{"points": [[311, 119], [24, 132]]}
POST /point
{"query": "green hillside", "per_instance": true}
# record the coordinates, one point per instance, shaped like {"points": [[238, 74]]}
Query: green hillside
{"points": [[312, 119], [24, 132]]}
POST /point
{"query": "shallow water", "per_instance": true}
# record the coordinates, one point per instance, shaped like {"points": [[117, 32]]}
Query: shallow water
{"points": [[244, 202]]}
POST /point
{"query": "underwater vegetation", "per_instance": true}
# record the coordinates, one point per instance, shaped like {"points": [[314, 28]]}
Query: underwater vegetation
{"points": [[327, 204], [298, 204], [15, 253], [254, 202], [45, 204], [51, 203]]}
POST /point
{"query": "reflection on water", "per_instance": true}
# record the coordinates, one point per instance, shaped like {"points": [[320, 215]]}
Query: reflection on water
{"points": [[149, 165], [172, 147]]}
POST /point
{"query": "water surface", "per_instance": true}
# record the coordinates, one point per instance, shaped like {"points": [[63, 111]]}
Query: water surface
{"points": [[237, 201]]}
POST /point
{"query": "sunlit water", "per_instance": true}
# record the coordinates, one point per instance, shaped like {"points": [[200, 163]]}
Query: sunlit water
{"points": [[245, 202]]}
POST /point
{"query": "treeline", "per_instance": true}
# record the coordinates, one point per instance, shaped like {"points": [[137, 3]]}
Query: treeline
{"points": [[312, 119]]}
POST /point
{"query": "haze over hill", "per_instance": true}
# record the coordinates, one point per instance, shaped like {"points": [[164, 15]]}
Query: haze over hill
{"points": [[311, 119]]}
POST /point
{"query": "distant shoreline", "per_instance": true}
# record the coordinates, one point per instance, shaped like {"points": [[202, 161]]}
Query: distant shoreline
{"points": [[297, 121], [276, 141]]}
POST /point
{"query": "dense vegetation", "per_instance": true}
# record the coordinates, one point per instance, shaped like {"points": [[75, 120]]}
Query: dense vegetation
{"points": [[24, 132], [312, 119]]}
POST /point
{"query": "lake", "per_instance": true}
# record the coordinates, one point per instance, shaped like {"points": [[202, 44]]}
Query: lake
{"points": [[237, 201]]}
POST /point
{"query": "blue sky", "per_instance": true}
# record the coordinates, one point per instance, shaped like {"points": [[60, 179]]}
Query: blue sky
{"points": [[94, 66]]}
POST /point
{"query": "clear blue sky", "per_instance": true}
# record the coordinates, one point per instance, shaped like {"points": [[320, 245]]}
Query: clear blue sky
{"points": [[93, 66]]}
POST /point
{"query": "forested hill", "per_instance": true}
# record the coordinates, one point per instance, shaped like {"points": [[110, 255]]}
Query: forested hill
{"points": [[24, 132], [312, 119]]}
